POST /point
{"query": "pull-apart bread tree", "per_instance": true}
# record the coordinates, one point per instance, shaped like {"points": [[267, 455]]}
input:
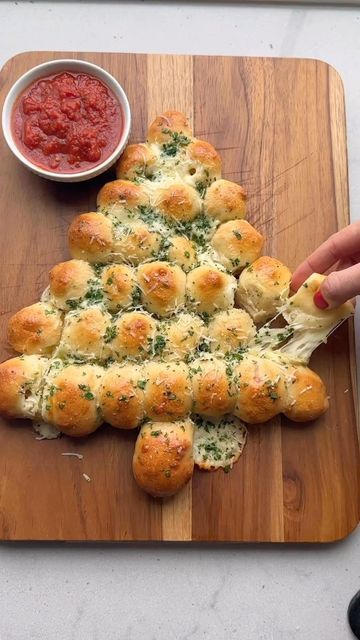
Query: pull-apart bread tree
{"points": [[161, 319]]}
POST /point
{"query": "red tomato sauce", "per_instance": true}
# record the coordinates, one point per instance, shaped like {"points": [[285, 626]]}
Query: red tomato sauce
{"points": [[67, 123]]}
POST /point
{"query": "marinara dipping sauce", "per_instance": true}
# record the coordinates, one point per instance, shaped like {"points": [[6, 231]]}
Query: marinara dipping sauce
{"points": [[67, 123]]}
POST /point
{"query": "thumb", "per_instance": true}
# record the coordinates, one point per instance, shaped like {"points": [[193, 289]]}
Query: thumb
{"points": [[338, 287]]}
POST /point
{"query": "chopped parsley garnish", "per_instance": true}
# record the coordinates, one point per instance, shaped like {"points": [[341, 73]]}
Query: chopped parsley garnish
{"points": [[136, 296], [201, 188], [87, 394], [204, 346], [72, 304], [205, 316], [141, 384], [155, 434], [94, 293], [229, 370], [159, 345], [177, 141], [273, 395], [110, 334], [98, 269]]}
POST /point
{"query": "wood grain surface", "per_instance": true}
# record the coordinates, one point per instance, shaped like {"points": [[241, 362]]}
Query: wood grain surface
{"points": [[279, 126]]}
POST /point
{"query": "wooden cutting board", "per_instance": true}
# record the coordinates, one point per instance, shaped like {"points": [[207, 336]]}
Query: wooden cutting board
{"points": [[279, 126]]}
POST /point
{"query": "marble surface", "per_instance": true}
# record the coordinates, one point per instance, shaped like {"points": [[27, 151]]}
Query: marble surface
{"points": [[173, 592]]}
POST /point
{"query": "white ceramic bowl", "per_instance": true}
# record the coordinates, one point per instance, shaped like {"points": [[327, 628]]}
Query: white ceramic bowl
{"points": [[59, 66]]}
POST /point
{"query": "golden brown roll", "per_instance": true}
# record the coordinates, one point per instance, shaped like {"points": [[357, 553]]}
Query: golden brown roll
{"points": [[177, 201], [87, 334], [69, 282], [230, 330], [307, 398], [237, 244], [163, 458], [133, 335], [119, 285], [177, 338], [134, 243], [208, 289], [121, 396], [91, 237], [168, 390], [167, 123], [214, 390], [262, 391], [35, 329], [136, 161], [225, 201], [182, 252], [20, 385], [162, 287], [121, 199], [204, 162], [70, 398], [263, 287]]}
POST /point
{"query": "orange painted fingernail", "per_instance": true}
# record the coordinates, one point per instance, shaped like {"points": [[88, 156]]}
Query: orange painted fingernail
{"points": [[320, 301]]}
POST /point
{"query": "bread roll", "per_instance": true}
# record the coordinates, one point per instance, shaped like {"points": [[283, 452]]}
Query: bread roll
{"points": [[167, 391], [121, 199], [261, 389], [91, 238], [301, 309], [136, 161], [161, 129], [182, 252], [209, 289], [35, 329], [134, 243], [237, 244], [69, 283], [179, 337], [121, 396], [213, 387], [230, 330], [225, 200], [263, 287], [20, 386], [133, 335], [163, 459], [204, 162], [177, 201], [162, 287], [119, 285], [70, 398], [307, 398], [87, 334]]}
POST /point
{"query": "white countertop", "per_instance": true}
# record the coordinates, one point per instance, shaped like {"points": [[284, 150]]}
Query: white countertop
{"points": [[159, 592]]}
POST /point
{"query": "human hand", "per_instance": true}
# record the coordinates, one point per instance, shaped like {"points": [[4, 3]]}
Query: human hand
{"points": [[341, 254]]}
